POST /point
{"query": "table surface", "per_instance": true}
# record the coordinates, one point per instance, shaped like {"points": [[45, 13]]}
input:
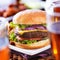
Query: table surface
{"points": [[45, 55]]}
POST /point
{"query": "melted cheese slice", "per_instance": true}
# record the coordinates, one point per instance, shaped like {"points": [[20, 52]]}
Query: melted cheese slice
{"points": [[22, 32]]}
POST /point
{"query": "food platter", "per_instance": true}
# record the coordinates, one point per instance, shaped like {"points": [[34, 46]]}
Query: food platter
{"points": [[29, 52], [32, 48]]}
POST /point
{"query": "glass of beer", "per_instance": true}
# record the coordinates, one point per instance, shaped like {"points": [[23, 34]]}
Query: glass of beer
{"points": [[4, 49], [53, 26]]}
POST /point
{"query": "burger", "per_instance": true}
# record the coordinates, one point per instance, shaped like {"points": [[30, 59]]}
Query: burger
{"points": [[28, 30]]}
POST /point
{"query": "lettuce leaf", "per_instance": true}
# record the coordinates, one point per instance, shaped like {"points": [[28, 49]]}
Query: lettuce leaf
{"points": [[22, 26], [12, 36], [28, 41], [12, 25]]}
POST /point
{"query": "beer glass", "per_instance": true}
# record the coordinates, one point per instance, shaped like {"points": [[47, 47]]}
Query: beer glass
{"points": [[4, 50], [53, 26]]}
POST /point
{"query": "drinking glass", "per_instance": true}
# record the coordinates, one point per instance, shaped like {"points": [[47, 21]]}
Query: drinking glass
{"points": [[53, 26], [4, 49]]}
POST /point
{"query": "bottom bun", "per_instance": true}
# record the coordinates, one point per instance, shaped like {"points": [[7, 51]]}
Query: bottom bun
{"points": [[36, 45]]}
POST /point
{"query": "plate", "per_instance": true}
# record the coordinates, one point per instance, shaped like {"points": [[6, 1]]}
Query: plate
{"points": [[34, 4], [29, 52], [8, 18]]}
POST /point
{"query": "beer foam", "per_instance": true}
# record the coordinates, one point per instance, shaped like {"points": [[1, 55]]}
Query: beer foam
{"points": [[50, 8], [54, 27], [3, 23], [3, 31]]}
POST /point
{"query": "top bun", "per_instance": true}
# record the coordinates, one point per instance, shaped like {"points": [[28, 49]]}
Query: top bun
{"points": [[30, 17]]}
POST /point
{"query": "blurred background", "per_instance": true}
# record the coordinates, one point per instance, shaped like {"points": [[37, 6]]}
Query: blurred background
{"points": [[9, 8]]}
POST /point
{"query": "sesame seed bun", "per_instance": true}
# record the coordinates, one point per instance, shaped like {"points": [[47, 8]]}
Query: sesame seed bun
{"points": [[30, 17]]}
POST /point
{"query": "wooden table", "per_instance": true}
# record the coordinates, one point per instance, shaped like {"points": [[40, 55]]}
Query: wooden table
{"points": [[45, 55]]}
